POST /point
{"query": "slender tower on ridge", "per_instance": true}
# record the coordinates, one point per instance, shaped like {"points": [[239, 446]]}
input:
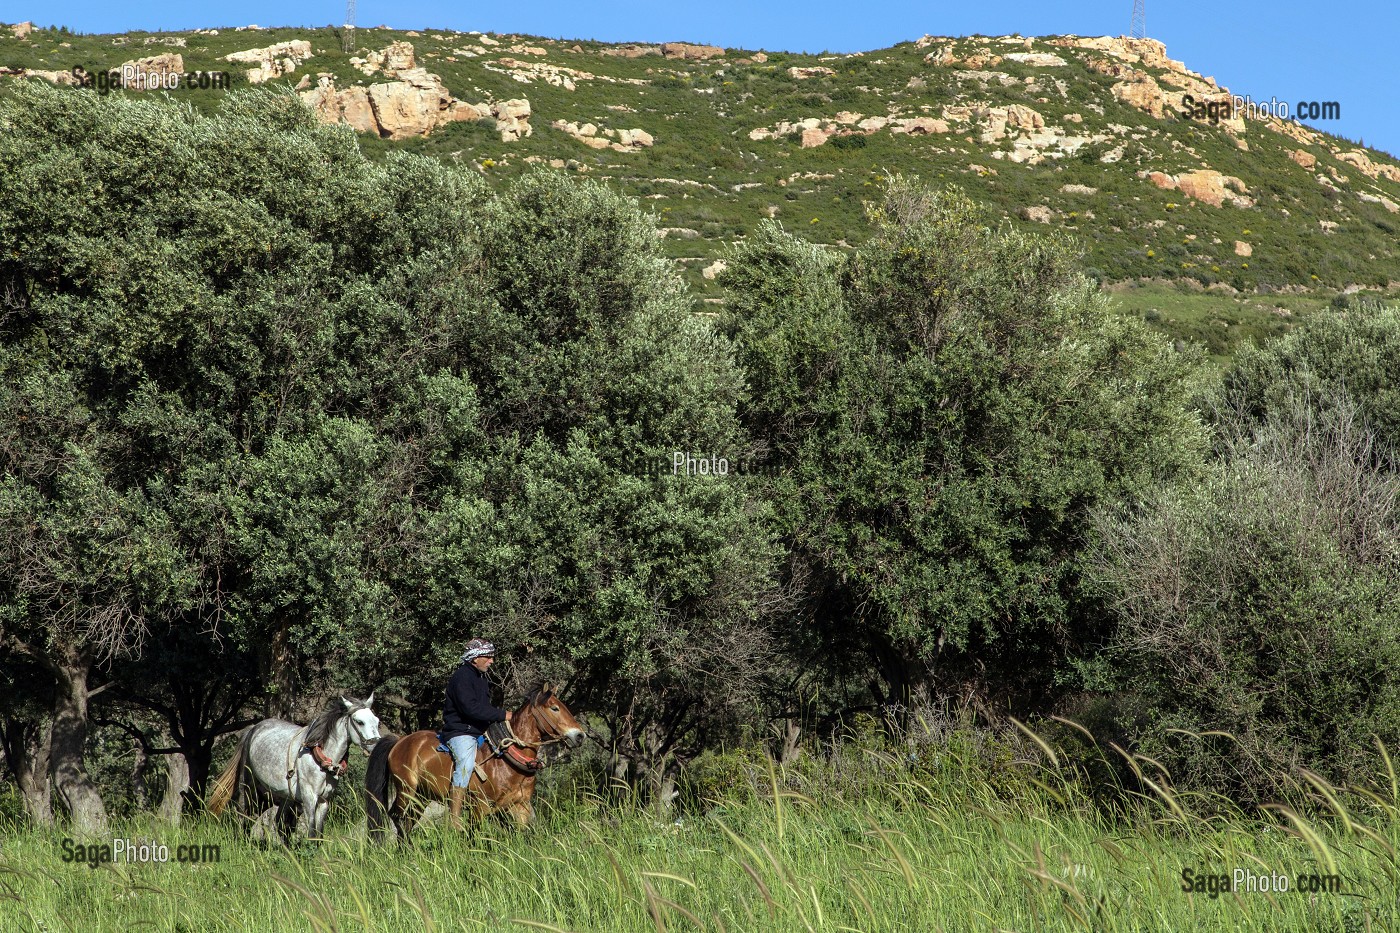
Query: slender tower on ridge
{"points": [[1139, 30], [348, 32]]}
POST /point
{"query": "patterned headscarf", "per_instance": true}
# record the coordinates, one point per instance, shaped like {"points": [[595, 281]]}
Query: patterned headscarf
{"points": [[478, 648]]}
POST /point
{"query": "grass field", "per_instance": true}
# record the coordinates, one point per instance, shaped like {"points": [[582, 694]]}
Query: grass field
{"points": [[862, 840]]}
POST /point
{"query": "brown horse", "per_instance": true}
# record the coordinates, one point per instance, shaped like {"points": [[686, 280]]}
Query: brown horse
{"points": [[404, 774]]}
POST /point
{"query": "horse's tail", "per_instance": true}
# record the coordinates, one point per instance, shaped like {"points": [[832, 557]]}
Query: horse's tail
{"points": [[228, 780], [377, 787]]}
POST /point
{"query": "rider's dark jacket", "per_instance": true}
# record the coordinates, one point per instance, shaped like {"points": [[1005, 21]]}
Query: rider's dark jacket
{"points": [[467, 709]]}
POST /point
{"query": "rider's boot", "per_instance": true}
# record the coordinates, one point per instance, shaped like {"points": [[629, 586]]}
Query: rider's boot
{"points": [[454, 808]]}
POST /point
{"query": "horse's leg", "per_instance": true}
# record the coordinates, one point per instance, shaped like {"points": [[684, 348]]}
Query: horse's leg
{"points": [[521, 814], [318, 818]]}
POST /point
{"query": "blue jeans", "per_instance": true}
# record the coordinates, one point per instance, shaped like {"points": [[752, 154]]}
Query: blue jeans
{"points": [[464, 758]]}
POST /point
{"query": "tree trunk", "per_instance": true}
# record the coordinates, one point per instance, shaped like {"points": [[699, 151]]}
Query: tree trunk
{"points": [[27, 744], [792, 734], [70, 727], [176, 785], [281, 675]]}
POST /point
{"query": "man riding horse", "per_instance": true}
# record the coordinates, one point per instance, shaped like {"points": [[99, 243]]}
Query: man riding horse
{"points": [[466, 715]]}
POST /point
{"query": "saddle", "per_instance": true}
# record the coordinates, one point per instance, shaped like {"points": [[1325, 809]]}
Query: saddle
{"points": [[504, 743], [442, 747]]}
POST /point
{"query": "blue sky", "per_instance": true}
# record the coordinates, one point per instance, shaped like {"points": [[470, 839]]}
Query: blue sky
{"points": [[1341, 51]]}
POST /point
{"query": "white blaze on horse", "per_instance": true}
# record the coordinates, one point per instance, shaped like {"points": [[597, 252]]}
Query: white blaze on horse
{"points": [[282, 764]]}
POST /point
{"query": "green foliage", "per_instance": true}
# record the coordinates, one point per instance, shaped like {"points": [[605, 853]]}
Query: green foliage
{"points": [[1256, 609], [948, 405], [1344, 358]]}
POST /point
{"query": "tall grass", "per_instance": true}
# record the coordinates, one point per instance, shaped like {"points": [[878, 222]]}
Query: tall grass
{"points": [[948, 837]]}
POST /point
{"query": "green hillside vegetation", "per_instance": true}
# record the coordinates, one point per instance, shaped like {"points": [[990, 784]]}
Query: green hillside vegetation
{"points": [[1011, 610], [709, 183]]}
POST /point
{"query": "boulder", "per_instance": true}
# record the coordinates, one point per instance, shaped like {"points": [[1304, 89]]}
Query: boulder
{"points": [[21, 30], [631, 51], [512, 119], [1024, 118], [1078, 189], [1243, 249], [1038, 213], [1303, 157], [149, 73], [714, 269], [687, 52], [919, 126]]}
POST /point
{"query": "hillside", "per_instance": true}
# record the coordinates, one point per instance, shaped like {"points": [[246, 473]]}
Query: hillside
{"points": [[1084, 136]]}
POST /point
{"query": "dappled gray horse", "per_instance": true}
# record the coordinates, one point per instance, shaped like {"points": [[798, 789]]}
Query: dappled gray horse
{"points": [[283, 764]]}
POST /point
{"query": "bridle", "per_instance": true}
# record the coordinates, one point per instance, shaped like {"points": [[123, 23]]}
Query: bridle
{"points": [[528, 765]]}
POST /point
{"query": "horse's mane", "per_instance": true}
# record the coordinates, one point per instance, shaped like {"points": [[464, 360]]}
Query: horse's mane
{"points": [[533, 695], [319, 732]]}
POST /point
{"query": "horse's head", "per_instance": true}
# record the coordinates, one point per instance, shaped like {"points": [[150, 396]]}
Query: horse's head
{"points": [[554, 718], [364, 725]]}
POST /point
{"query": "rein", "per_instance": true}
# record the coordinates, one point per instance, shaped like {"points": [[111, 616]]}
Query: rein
{"points": [[528, 765]]}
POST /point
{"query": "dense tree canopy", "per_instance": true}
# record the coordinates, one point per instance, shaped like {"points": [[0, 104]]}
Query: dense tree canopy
{"points": [[944, 409]]}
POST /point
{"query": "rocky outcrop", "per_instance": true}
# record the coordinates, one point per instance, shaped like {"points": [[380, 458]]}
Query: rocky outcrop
{"points": [[1037, 59], [151, 73], [21, 30], [814, 71], [1243, 249], [1149, 52], [1037, 213], [591, 135], [1205, 185], [393, 58], [1303, 157], [414, 105], [1141, 91], [687, 52], [274, 61], [1368, 168], [631, 51]]}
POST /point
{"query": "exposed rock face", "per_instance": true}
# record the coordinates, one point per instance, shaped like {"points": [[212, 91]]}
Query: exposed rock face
{"points": [[1150, 52], [1141, 91], [631, 51], [21, 30], [918, 126], [393, 58], [1303, 157], [595, 138], [1078, 189], [812, 138], [1368, 168], [1205, 185], [1038, 59], [816, 71], [512, 119], [274, 61], [1023, 117], [57, 77], [1038, 213], [688, 52], [414, 105], [147, 73], [714, 268]]}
